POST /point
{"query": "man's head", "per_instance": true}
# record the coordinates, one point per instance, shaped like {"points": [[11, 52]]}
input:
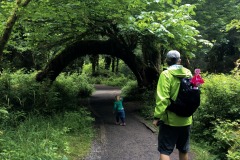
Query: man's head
{"points": [[173, 57]]}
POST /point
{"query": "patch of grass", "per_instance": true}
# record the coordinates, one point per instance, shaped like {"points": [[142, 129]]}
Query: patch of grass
{"points": [[201, 152], [79, 145], [50, 138]]}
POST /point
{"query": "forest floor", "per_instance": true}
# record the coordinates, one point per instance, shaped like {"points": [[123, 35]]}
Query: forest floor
{"points": [[135, 141]]}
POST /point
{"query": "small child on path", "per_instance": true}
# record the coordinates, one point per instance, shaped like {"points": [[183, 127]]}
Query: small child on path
{"points": [[118, 110]]}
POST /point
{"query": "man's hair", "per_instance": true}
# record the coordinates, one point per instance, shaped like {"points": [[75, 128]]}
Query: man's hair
{"points": [[172, 57]]}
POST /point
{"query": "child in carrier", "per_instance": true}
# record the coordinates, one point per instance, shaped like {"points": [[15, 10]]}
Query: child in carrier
{"points": [[118, 110], [197, 80]]}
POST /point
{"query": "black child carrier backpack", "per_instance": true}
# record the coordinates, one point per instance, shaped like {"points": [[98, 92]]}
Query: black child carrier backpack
{"points": [[188, 99]]}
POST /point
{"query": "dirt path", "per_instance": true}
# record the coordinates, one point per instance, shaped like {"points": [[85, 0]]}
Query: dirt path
{"points": [[135, 141]]}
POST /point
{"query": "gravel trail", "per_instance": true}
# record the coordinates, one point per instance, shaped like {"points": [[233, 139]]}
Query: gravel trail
{"points": [[135, 141]]}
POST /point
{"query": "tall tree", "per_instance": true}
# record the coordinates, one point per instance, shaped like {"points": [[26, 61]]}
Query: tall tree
{"points": [[213, 18], [16, 13]]}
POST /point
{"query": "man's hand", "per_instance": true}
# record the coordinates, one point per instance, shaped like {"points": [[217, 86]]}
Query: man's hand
{"points": [[155, 122]]}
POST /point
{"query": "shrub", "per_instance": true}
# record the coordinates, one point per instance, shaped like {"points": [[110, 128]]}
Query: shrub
{"points": [[21, 91], [118, 80], [110, 79], [4, 115], [219, 101], [78, 121], [72, 86], [131, 91], [149, 104], [228, 136]]}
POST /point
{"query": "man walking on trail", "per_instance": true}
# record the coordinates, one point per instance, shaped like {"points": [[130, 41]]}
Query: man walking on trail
{"points": [[174, 130]]}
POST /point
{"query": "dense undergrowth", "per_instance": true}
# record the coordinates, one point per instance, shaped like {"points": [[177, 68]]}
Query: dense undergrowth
{"points": [[44, 120], [51, 138]]}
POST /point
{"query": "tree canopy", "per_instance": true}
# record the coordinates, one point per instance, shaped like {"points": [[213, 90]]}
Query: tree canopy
{"points": [[48, 23], [45, 28]]}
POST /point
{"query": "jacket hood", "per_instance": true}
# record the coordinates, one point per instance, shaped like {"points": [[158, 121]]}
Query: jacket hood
{"points": [[179, 71]]}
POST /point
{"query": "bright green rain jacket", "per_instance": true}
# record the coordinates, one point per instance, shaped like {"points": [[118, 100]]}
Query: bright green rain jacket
{"points": [[168, 86]]}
